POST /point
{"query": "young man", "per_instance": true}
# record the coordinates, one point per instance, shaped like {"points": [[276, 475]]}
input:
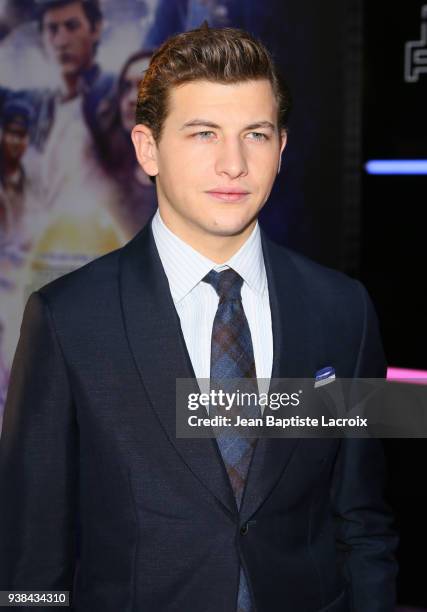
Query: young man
{"points": [[89, 454]]}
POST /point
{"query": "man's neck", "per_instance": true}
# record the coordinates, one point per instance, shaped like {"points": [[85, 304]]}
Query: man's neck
{"points": [[69, 87], [72, 83]]}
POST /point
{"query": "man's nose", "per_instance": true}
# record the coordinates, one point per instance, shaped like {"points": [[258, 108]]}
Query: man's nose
{"points": [[61, 37], [231, 158]]}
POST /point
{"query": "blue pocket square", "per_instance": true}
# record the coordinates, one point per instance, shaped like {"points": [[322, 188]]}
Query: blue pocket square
{"points": [[324, 376]]}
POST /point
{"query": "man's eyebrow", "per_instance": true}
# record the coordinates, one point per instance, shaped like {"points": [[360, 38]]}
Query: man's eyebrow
{"points": [[260, 124], [199, 122], [65, 22], [207, 123]]}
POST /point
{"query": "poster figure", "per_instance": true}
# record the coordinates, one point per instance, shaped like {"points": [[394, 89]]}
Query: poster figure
{"points": [[19, 194], [136, 195], [14, 139], [19, 216]]}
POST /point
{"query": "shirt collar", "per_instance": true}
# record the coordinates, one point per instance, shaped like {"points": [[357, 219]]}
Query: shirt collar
{"points": [[185, 267]]}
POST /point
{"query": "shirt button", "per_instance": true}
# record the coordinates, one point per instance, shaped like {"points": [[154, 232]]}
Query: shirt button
{"points": [[244, 529]]}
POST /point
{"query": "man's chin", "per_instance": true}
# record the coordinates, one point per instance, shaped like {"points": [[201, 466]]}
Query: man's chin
{"points": [[227, 229], [69, 69]]}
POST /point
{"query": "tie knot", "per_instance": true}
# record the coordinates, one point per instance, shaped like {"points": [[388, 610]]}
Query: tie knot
{"points": [[227, 284]]}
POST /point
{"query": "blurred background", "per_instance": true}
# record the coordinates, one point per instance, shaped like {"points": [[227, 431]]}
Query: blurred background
{"points": [[350, 194]]}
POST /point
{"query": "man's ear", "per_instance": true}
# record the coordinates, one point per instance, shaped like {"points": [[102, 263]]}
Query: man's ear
{"points": [[283, 141], [145, 149]]}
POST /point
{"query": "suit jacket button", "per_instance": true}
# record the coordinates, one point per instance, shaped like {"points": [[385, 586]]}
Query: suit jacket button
{"points": [[244, 529]]}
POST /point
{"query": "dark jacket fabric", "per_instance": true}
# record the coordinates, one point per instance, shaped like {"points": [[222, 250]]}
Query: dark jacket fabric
{"points": [[100, 497]]}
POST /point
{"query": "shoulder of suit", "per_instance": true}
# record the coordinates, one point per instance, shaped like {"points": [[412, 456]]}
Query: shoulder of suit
{"points": [[338, 301], [316, 276], [97, 278]]}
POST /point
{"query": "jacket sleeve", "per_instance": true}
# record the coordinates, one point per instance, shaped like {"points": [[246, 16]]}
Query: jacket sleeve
{"points": [[365, 536], [38, 462]]}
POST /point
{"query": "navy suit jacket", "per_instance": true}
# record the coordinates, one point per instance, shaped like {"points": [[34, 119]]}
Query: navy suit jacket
{"points": [[99, 496]]}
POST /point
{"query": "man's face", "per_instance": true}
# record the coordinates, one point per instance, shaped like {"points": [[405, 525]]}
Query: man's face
{"points": [[69, 38], [218, 156], [129, 93], [14, 142]]}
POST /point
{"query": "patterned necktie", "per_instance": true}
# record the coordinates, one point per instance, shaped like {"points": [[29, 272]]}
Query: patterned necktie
{"points": [[232, 357]]}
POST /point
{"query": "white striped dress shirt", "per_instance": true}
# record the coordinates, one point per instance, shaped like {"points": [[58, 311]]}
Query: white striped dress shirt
{"points": [[196, 302]]}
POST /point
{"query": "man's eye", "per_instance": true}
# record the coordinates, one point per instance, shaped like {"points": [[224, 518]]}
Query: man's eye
{"points": [[205, 134], [72, 25], [258, 136]]}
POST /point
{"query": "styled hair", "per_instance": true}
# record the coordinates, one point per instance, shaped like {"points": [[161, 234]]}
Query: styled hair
{"points": [[91, 8], [221, 55]]}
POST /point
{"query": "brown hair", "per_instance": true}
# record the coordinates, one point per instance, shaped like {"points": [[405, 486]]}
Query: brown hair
{"points": [[223, 55], [91, 8]]}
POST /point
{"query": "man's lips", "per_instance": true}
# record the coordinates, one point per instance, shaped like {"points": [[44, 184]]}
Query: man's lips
{"points": [[228, 194]]}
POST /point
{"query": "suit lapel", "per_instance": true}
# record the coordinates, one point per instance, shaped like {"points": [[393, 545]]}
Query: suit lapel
{"points": [[156, 341], [293, 357]]}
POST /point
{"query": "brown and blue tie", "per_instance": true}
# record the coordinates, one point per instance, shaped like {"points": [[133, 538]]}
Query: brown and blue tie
{"points": [[232, 357]]}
